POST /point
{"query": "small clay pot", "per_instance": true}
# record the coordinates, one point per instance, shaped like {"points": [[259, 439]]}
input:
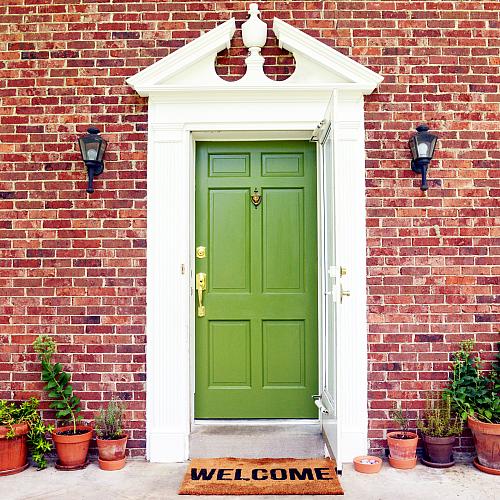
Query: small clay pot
{"points": [[487, 442], [13, 451], [72, 449], [367, 468], [402, 448], [438, 450], [112, 453]]}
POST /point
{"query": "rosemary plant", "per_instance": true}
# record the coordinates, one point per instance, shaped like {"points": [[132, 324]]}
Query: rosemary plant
{"points": [[439, 420], [109, 421]]}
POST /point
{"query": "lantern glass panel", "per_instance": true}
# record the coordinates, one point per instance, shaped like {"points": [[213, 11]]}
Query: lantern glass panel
{"points": [[92, 147], [422, 145], [423, 149]]}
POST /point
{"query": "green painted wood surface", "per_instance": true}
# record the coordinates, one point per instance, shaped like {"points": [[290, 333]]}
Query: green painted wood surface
{"points": [[257, 346]]}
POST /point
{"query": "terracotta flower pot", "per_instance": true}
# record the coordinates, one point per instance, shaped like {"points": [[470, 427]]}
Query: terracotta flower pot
{"points": [[403, 463], [400, 448], [72, 449], [112, 464], [13, 451], [439, 450], [487, 442], [112, 453]]}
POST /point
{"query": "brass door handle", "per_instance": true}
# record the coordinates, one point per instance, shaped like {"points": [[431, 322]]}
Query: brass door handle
{"points": [[344, 293], [201, 285]]}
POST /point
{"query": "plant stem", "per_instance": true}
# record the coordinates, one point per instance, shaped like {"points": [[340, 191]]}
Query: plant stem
{"points": [[47, 366]]}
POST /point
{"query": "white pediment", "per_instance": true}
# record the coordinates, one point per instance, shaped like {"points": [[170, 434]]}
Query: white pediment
{"points": [[192, 67]]}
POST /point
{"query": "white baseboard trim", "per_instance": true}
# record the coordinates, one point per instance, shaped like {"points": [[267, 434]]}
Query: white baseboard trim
{"points": [[164, 447], [354, 443]]}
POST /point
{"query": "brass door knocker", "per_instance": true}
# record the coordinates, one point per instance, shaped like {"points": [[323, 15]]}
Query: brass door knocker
{"points": [[256, 198]]}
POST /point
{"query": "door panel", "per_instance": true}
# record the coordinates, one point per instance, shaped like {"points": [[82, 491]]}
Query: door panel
{"points": [[256, 347], [283, 367], [283, 245], [229, 165], [233, 336], [228, 249]]}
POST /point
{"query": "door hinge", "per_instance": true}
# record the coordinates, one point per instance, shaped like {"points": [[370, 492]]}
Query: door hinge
{"points": [[319, 131], [319, 403]]}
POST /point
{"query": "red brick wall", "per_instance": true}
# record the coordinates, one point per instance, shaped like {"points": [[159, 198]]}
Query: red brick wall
{"points": [[73, 265]]}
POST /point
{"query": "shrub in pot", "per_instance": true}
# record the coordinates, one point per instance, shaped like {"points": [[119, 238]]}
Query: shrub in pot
{"points": [[403, 443], [72, 441], [22, 429], [111, 440], [475, 395], [440, 428]]}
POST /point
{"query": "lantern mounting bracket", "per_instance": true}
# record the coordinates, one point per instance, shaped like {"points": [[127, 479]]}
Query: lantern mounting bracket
{"points": [[94, 168], [420, 167]]}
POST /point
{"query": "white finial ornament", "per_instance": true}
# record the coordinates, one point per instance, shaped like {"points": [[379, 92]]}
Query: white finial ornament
{"points": [[254, 32]]}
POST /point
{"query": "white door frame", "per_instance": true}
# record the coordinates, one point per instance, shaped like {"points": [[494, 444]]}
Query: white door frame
{"points": [[227, 135], [187, 100], [170, 252]]}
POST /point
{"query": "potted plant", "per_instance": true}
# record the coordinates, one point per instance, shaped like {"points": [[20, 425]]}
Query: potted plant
{"points": [[403, 443], [475, 395], [111, 440], [439, 428], [22, 429], [72, 441]]}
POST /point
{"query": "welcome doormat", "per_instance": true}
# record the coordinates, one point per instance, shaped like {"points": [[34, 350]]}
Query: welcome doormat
{"points": [[261, 476]]}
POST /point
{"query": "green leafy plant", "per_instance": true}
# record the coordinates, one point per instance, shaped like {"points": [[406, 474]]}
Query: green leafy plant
{"points": [[58, 384], [472, 390], [109, 421], [401, 416], [27, 412], [439, 419]]}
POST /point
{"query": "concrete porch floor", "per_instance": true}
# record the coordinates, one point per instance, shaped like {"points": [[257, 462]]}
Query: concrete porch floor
{"points": [[143, 480]]}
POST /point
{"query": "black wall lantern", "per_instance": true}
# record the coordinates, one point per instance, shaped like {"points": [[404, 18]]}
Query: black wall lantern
{"points": [[422, 146], [92, 147]]}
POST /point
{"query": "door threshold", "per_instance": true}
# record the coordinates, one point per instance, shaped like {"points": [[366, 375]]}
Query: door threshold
{"points": [[257, 421]]}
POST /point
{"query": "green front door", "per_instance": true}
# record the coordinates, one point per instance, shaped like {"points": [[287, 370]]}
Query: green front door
{"points": [[256, 345]]}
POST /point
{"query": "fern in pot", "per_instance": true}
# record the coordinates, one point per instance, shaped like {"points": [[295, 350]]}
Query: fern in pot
{"points": [[440, 428], [111, 439], [72, 441]]}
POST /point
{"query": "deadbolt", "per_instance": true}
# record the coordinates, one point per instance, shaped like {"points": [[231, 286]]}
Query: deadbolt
{"points": [[201, 252]]}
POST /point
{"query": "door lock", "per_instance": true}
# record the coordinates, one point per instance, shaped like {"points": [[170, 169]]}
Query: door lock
{"points": [[201, 252], [201, 285]]}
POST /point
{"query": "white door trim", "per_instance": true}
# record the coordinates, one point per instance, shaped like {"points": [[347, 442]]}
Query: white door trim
{"points": [[170, 252]]}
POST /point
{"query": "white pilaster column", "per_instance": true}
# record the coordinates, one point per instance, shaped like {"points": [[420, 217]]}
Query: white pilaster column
{"points": [[168, 391]]}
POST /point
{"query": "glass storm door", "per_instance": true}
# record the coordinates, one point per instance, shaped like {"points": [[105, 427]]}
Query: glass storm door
{"points": [[256, 270]]}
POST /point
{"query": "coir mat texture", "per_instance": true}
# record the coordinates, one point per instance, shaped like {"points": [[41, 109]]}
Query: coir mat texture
{"points": [[261, 476]]}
